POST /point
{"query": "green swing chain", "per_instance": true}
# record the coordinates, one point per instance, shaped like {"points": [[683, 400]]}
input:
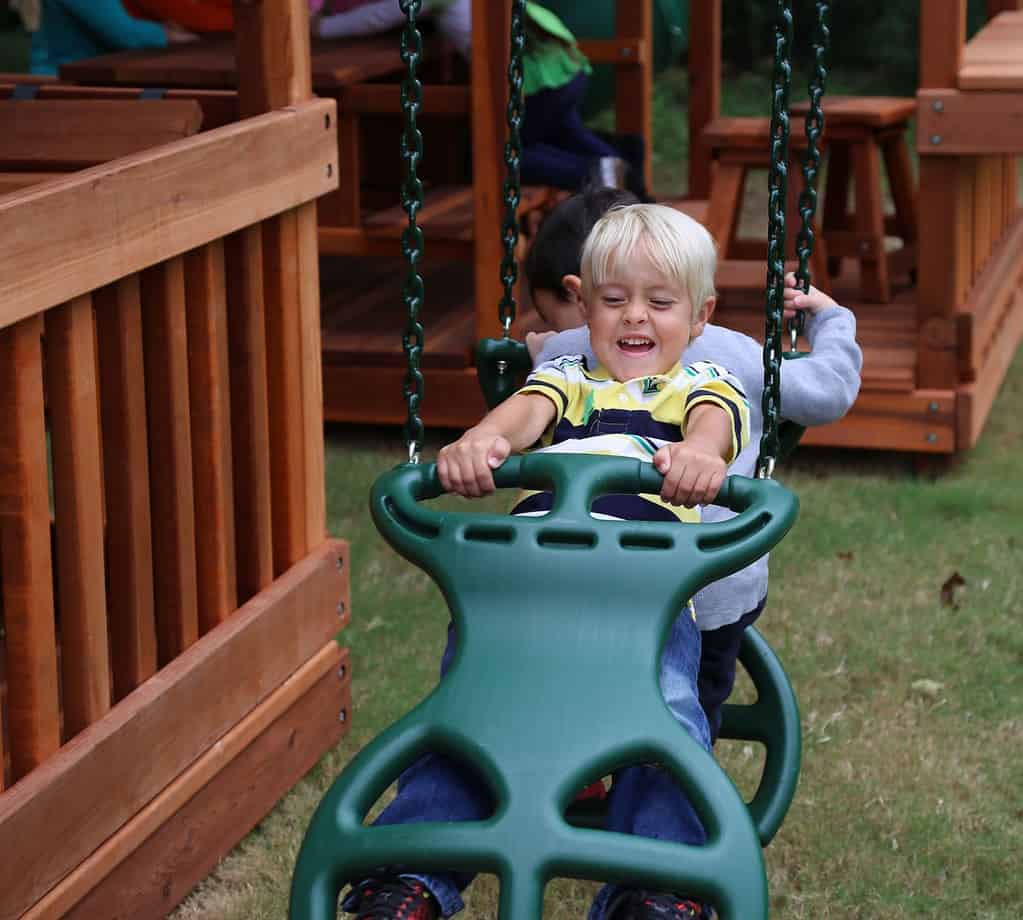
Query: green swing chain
{"points": [[513, 162], [412, 236], [777, 192], [811, 161]]}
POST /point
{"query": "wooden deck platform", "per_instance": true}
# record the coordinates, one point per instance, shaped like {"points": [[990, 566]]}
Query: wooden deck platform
{"points": [[363, 363]]}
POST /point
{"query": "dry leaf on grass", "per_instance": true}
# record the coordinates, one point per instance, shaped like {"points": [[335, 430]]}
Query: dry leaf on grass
{"points": [[949, 588]]}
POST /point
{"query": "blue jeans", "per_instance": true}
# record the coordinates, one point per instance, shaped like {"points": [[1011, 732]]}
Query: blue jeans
{"points": [[644, 800], [557, 148]]}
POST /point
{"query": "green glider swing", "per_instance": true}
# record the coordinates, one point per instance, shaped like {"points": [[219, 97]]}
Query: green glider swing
{"points": [[541, 700]]}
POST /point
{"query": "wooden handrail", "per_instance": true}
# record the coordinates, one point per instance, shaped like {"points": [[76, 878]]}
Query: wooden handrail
{"points": [[122, 217]]}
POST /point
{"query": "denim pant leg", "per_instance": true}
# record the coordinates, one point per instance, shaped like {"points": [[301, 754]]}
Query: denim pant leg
{"points": [[645, 799], [720, 651], [436, 789], [557, 148]]}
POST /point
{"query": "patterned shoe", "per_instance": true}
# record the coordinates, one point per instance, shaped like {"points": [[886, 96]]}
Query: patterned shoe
{"points": [[636, 904], [395, 899]]}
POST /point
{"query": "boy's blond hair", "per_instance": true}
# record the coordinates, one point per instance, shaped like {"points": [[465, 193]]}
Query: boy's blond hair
{"points": [[679, 247]]}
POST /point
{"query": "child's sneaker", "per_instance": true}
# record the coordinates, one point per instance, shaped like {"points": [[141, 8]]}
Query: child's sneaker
{"points": [[636, 904], [395, 899]]}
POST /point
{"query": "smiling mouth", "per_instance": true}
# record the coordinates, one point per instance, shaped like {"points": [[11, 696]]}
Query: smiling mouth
{"points": [[635, 345]]}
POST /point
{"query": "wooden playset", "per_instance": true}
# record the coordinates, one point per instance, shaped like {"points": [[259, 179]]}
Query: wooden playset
{"points": [[168, 596]]}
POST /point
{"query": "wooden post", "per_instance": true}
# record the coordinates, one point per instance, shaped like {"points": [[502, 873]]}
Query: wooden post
{"points": [[945, 245], [704, 89], [274, 71], [491, 48], [634, 81]]}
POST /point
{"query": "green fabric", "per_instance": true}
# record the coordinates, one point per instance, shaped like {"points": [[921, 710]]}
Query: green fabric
{"points": [[552, 57]]}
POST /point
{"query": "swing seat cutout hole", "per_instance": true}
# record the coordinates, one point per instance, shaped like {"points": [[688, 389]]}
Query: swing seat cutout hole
{"points": [[567, 539]]}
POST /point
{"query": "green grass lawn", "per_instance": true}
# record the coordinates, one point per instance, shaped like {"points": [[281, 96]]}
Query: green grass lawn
{"points": [[911, 690]]}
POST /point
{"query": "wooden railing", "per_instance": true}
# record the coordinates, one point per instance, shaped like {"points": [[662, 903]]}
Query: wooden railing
{"points": [[161, 475]]}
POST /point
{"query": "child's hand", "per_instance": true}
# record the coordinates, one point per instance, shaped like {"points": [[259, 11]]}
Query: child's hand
{"points": [[795, 299], [466, 467], [692, 473], [535, 342]]}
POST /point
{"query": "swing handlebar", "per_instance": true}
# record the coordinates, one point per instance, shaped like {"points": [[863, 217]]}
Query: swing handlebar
{"points": [[764, 510]]}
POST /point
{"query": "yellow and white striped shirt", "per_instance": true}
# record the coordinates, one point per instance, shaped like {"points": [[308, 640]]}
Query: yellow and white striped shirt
{"points": [[633, 418]]}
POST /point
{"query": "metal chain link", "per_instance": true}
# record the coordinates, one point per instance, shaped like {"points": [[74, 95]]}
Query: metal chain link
{"points": [[811, 161], [513, 162], [777, 190], [412, 236]]}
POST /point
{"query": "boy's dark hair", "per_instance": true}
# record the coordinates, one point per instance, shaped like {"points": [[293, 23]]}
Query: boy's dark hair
{"points": [[558, 246]]}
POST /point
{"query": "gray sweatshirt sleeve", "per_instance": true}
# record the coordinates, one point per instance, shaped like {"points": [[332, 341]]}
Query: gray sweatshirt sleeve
{"points": [[569, 342], [822, 387]]}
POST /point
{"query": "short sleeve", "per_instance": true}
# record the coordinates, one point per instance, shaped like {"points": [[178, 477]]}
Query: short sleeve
{"points": [[712, 384]]}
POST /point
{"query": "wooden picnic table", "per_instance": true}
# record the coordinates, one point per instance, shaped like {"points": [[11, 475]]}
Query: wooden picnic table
{"points": [[211, 63]]}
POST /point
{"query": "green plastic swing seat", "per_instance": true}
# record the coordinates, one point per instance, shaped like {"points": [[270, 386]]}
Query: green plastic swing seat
{"points": [[561, 620]]}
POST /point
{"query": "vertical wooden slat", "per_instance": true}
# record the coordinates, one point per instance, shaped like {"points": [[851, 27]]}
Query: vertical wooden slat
{"points": [[129, 546], [165, 339], [634, 82], [210, 400], [73, 393], [284, 387], [250, 435], [982, 194], [996, 195], [26, 576], [312, 377], [491, 44], [704, 88]]}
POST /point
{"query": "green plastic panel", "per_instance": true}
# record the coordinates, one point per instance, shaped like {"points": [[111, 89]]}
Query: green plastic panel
{"points": [[561, 620]]}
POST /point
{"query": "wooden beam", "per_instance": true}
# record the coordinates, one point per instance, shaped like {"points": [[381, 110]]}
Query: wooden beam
{"points": [[385, 99], [149, 866], [953, 123], [623, 49], [52, 134], [183, 195], [491, 48], [143, 744], [942, 34], [921, 421], [634, 76], [219, 106], [704, 89], [274, 68]]}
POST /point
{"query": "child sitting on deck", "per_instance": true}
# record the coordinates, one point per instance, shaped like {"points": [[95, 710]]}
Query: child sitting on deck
{"points": [[646, 289], [815, 390], [557, 148]]}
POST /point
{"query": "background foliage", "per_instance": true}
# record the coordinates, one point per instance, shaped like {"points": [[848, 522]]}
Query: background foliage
{"points": [[879, 35]]}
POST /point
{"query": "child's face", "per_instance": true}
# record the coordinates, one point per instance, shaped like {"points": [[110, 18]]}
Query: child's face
{"points": [[640, 321], [559, 314]]}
